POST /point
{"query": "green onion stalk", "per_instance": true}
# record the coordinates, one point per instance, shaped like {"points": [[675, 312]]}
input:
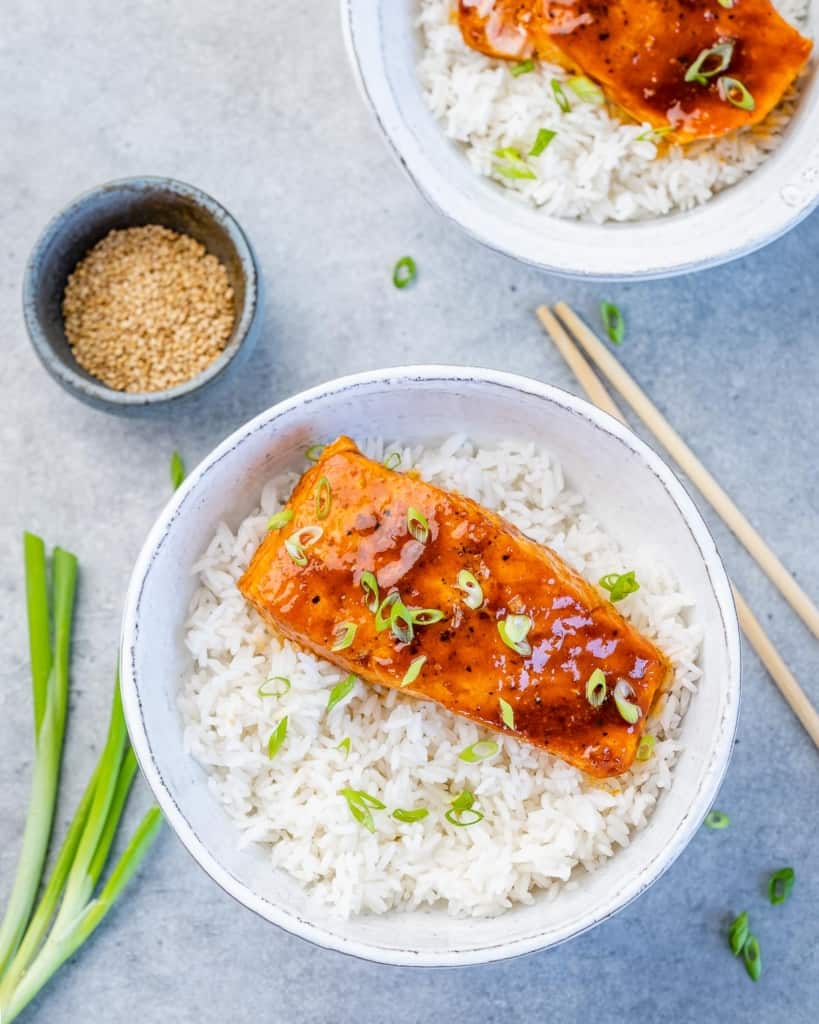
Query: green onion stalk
{"points": [[35, 941]]}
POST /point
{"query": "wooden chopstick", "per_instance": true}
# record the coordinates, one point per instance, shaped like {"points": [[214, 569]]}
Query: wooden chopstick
{"points": [[692, 467], [759, 640]]}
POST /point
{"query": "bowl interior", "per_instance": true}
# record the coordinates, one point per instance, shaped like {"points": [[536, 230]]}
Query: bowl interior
{"points": [[626, 486], [384, 48], [126, 204]]}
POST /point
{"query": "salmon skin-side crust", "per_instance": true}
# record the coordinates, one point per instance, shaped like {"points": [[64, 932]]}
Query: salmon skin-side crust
{"points": [[416, 588], [694, 68]]}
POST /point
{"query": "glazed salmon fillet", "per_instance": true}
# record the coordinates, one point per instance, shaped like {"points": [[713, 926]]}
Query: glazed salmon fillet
{"points": [[639, 52], [413, 587]]}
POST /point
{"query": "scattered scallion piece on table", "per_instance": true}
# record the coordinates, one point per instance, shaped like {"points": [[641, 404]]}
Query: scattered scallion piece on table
{"points": [[324, 498], [738, 933], [596, 690], [522, 68], [409, 817], [404, 272], [280, 519], [462, 812], [585, 89], [619, 585], [177, 470], [717, 820], [344, 634], [542, 140], [275, 686], [360, 804], [277, 737], [780, 885], [479, 751], [414, 670], [732, 91], [340, 691], [507, 713], [560, 96], [613, 322], [752, 957]]}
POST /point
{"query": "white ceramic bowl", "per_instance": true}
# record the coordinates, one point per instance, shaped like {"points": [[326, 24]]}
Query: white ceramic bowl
{"points": [[627, 486], [384, 48]]}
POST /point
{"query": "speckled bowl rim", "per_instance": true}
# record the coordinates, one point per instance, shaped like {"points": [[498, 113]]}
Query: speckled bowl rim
{"points": [[187, 497], [745, 217], [241, 335]]}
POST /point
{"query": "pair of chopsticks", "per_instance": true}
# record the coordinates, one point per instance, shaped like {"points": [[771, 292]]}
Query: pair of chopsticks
{"points": [[568, 332]]}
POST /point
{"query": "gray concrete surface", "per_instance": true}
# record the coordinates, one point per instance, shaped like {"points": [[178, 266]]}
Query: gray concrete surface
{"points": [[254, 103]]}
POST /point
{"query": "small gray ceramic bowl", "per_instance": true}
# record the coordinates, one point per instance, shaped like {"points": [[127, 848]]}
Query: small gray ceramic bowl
{"points": [[131, 202]]}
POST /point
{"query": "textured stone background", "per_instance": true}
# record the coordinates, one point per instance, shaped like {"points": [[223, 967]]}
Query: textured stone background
{"points": [[254, 103]]}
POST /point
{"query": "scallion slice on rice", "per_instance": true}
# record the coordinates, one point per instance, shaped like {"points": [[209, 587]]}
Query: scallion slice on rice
{"points": [[340, 691], [344, 746], [393, 460], [523, 68], [586, 90], [542, 140], [408, 817], [275, 686], [280, 519], [513, 165], [479, 751], [645, 748], [619, 585], [462, 812], [274, 744], [360, 803], [560, 96]]}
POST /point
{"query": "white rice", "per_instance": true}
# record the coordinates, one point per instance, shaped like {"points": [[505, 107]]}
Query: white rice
{"points": [[545, 822], [596, 168]]}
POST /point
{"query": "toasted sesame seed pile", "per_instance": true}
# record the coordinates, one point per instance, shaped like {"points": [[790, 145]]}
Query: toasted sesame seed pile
{"points": [[147, 309]]}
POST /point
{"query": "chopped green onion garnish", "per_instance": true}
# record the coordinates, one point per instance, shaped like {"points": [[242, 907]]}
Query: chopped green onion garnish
{"points": [[462, 806], [507, 713], [619, 585], [738, 933], [369, 584], [479, 751], [780, 885], [324, 498], [393, 460], [360, 803], [613, 322], [560, 96], [752, 957], [280, 519], [716, 57], [177, 470], [417, 525], [513, 166], [585, 89], [344, 634], [425, 616], [652, 134], [596, 690], [382, 616], [645, 748], [514, 630], [544, 137], [405, 271], [401, 622], [727, 4], [277, 738], [414, 670], [313, 453], [410, 816], [629, 711], [344, 745], [523, 68], [301, 539], [276, 686], [717, 820], [734, 92], [340, 691], [468, 583]]}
